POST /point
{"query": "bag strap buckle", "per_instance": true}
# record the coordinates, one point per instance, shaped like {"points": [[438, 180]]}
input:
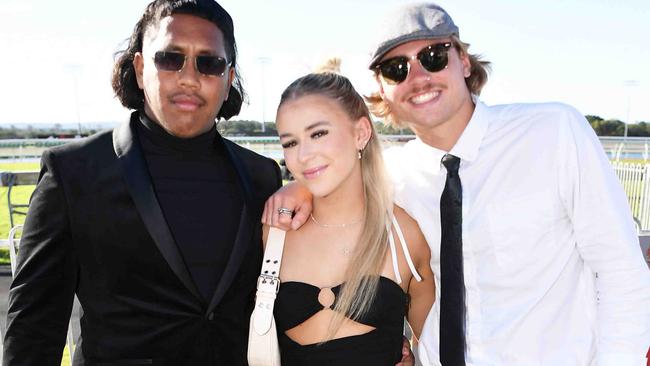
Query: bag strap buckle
{"points": [[264, 281]]}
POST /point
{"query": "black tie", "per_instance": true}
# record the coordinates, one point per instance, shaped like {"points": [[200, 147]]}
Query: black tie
{"points": [[452, 287]]}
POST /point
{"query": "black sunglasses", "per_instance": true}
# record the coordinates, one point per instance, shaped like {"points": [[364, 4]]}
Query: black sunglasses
{"points": [[206, 65], [433, 58]]}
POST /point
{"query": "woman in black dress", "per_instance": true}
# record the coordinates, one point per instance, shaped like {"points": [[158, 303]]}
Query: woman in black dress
{"points": [[352, 273]]}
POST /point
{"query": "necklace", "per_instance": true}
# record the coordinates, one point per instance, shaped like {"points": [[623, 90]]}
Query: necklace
{"points": [[346, 250], [340, 226]]}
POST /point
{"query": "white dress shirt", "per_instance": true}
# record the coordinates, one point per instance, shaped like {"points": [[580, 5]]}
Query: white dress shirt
{"points": [[542, 211]]}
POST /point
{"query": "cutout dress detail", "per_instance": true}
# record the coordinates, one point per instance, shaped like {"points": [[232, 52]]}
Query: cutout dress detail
{"points": [[297, 302]]}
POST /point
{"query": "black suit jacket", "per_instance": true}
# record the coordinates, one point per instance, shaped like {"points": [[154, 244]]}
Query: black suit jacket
{"points": [[95, 229]]}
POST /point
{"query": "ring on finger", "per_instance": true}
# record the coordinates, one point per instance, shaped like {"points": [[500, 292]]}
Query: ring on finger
{"points": [[286, 211]]}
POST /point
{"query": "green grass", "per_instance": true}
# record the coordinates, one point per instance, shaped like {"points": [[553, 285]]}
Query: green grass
{"points": [[12, 167], [19, 195], [635, 161]]}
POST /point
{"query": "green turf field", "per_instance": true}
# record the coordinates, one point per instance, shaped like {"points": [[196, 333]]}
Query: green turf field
{"points": [[19, 194]]}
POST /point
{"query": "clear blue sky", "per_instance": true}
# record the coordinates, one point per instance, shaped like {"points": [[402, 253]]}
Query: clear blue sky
{"points": [[580, 52]]}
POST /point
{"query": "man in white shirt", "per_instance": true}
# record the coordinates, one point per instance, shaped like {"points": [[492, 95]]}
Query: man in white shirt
{"points": [[551, 268]]}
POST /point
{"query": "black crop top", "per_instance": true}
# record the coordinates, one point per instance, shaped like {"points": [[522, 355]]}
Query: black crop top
{"points": [[298, 301]]}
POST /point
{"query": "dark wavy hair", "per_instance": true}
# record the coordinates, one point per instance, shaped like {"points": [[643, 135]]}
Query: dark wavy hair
{"points": [[124, 80]]}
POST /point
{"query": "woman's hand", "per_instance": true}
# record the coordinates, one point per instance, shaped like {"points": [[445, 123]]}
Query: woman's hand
{"points": [[288, 208]]}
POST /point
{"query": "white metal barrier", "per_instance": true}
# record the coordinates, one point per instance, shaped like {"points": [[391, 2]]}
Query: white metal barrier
{"points": [[621, 148], [635, 179]]}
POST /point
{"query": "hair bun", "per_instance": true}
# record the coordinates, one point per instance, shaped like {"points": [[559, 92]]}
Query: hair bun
{"points": [[331, 65]]}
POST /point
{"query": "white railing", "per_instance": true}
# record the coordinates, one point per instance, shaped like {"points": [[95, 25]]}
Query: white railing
{"points": [[635, 179], [624, 148]]}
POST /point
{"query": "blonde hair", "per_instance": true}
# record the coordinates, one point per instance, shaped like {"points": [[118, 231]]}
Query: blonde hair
{"points": [[362, 276], [479, 70]]}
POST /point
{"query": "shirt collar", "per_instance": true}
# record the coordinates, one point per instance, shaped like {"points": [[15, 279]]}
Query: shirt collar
{"points": [[467, 146]]}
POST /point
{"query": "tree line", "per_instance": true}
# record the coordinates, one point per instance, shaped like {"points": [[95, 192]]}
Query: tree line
{"points": [[614, 127], [603, 127], [254, 128]]}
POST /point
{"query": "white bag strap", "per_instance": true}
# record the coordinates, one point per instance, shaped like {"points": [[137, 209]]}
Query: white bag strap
{"points": [[268, 282]]}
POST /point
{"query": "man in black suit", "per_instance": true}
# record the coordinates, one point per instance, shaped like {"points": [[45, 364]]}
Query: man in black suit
{"points": [[155, 226]]}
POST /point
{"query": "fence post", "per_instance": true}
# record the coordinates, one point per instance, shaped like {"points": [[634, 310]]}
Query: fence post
{"points": [[644, 214]]}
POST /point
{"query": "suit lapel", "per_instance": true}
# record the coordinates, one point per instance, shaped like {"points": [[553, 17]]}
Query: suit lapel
{"points": [[138, 182], [244, 232]]}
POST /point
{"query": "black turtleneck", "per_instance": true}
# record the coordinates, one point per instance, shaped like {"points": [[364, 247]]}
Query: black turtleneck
{"points": [[199, 194]]}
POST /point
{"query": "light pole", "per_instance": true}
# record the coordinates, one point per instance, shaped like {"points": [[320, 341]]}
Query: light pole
{"points": [[74, 71], [629, 84], [263, 62]]}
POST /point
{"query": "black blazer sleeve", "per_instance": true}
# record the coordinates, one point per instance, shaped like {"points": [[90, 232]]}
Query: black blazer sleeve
{"points": [[42, 292], [277, 179]]}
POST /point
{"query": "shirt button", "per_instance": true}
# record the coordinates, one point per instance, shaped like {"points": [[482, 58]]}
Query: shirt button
{"points": [[211, 316]]}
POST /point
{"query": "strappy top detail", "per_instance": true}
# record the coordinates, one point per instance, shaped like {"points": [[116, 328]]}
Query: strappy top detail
{"points": [[297, 302], [405, 249]]}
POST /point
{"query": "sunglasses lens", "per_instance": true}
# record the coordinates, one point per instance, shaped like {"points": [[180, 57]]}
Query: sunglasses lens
{"points": [[211, 65], [395, 69], [434, 57], [169, 61]]}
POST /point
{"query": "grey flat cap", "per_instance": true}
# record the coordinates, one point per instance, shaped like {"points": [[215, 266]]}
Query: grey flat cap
{"points": [[411, 23]]}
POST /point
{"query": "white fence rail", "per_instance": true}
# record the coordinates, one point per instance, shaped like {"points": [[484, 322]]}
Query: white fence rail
{"points": [[617, 147], [635, 179], [621, 148]]}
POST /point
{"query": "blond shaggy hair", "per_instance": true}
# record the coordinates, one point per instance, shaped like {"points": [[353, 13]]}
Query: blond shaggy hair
{"points": [[475, 82]]}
